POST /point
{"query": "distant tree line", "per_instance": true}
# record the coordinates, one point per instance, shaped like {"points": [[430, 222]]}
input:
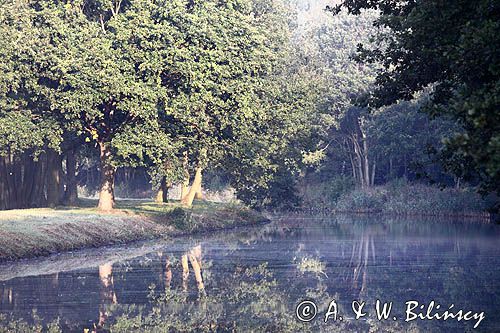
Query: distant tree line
{"points": [[451, 50]]}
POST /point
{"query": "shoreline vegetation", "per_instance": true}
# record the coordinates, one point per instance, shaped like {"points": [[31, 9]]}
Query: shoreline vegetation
{"points": [[28, 233], [400, 199]]}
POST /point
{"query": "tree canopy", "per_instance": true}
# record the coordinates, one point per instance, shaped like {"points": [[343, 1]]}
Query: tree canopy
{"points": [[451, 47]]}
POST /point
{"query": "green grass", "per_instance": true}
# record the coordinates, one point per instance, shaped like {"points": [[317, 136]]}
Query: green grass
{"points": [[41, 231]]}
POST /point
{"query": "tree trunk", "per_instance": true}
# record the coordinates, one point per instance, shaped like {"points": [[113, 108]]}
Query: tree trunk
{"points": [[38, 198], [12, 201], [106, 195], [159, 195], [162, 194], [353, 167], [4, 192], [373, 173], [358, 159], [185, 183], [18, 180], [71, 193], [198, 195], [29, 179], [53, 178], [188, 199], [366, 162]]}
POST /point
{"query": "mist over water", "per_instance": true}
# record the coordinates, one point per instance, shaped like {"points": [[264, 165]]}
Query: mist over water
{"points": [[251, 276]]}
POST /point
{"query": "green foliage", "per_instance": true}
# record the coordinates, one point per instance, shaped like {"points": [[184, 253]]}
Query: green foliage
{"points": [[400, 197], [35, 325], [21, 131], [361, 201], [339, 186], [451, 47], [403, 136], [150, 80], [179, 217], [301, 102], [418, 199], [249, 298], [25, 122]]}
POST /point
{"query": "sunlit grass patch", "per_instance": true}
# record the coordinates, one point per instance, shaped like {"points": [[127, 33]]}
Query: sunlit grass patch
{"points": [[41, 231]]}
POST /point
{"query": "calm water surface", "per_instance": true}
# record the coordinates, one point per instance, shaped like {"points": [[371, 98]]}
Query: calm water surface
{"points": [[252, 279]]}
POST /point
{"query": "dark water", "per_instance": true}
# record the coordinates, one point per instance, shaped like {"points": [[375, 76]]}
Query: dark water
{"points": [[219, 282]]}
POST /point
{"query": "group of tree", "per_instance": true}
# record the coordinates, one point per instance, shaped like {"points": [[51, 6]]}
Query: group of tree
{"points": [[175, 87], [266, 94], [413, 90], [448, 50]]}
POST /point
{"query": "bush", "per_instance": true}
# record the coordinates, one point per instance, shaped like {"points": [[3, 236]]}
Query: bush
{"points": [[180, 218], [339, 186], [371, 200], [326, 194], [396, 197], [422, 199]]}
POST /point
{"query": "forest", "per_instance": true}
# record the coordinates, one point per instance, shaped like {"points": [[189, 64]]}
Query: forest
{"points": [[292, 104], [249, 166]]}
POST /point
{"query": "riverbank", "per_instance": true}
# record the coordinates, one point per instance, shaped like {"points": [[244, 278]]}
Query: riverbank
{"points": [[26, 233], [402, 199]]}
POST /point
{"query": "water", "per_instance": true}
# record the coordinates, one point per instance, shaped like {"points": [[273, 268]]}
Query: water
{"points": [[252, 279]]}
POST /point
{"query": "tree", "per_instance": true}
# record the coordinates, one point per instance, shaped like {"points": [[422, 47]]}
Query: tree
{"points": [[228, 51], [102, 68], [28, 130], [326, 49], [452, 48]]}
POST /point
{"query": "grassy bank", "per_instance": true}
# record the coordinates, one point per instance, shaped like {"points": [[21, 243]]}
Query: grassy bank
{"points": [[34, 232], [406, 199]]}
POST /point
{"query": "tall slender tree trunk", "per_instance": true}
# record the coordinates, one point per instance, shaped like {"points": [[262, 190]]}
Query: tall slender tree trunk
{"points": [[12, 201], [4, 193], [53, 178], [71, 193], [373, 173], [18, 179], [185, 183], [353, 167], [39, 199], [29, 180], [106, 195], [188, 199], [357, 161], [366, 162]]}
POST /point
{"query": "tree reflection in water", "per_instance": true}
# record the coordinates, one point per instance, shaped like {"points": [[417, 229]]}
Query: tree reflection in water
{"points": [[363, 251], [107, 293], [224, 284]]}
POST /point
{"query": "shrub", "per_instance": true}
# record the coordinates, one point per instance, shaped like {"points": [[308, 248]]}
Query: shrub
{"points": [[422, 199], [361, 200]]}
